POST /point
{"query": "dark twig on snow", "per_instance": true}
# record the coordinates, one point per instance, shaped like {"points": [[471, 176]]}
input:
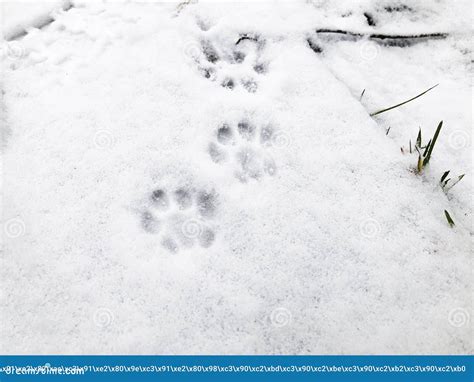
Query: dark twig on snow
{"points": [[382, 36], [387, 39], [246, 37]]}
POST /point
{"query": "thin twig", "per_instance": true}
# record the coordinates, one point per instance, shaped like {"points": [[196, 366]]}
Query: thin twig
{"points": [[246, 37], [382, 36]]}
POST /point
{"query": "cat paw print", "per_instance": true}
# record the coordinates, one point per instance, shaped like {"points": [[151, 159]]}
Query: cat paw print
{"points": [[237, 65], [243, 148], [181, 218]]}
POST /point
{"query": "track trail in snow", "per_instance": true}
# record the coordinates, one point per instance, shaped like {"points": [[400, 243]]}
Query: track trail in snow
{"points": [[202, 183]]}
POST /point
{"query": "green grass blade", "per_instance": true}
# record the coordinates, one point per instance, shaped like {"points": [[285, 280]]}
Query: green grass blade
{"points": [[456, 182], [435, 137], [420, 162], [402, 103], [444, 176], [427, 147], [449, 219], [418, 138]]}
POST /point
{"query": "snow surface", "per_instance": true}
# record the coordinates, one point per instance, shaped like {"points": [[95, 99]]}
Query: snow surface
{"points": [[19, 16], [148, 209]]}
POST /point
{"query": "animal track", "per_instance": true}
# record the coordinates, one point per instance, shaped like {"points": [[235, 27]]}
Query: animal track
{"points": [[235, 66], [181, 218], [243, 147]]}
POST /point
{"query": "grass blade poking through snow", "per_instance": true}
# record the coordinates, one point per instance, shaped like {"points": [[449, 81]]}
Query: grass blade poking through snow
{"points": [[444, 183], [456, 182], [448, 218], [424, 158], [431, 144], [444, 177], [403, 103], [418, 138]]}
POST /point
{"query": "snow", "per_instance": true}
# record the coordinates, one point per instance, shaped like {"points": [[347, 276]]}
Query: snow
{"points": [[18, 16], [147, 209]]}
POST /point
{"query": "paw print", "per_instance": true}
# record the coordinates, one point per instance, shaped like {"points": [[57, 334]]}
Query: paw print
{"points": [[181, 218], [243, 148], [237, 65]]}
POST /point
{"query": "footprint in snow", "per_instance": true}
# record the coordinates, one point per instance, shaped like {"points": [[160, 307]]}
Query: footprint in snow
{"points": [[243, 147], [181, 217], [235, 66]]}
